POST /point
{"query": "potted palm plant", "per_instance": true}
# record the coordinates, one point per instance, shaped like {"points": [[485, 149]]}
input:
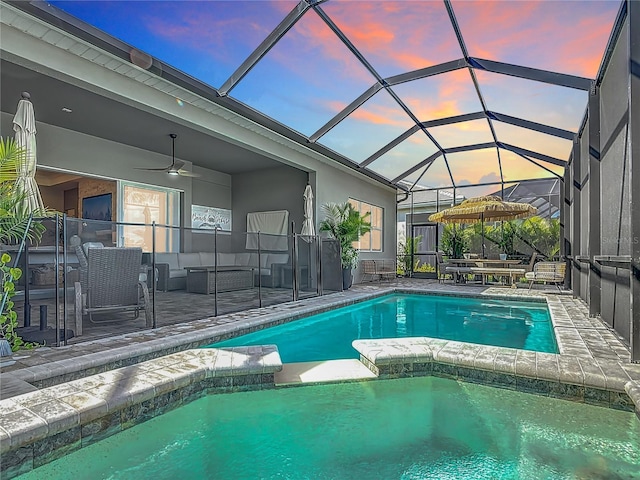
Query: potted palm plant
{"points": [[347, 225]]}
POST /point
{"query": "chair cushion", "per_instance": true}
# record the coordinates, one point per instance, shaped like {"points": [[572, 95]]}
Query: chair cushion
{"points": [[178, 273], [226, 259], [169, 258], [278, 258], [207, 259], [87, 245], [189, 260], [244, 260]]}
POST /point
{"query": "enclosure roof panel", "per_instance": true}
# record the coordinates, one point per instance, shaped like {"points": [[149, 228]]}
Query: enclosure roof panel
{"points": [[383, 85], [559, 36]]}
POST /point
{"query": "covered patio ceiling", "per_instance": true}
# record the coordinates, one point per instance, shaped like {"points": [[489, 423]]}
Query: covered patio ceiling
{"points": [[433, 93]]}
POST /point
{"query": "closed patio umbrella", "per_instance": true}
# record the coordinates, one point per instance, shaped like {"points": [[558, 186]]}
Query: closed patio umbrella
{"points": [[24, 125], [307, 226], [479, 209]]}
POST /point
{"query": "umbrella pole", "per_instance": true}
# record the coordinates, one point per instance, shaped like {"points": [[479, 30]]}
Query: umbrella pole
{"points": [[482, 226]]}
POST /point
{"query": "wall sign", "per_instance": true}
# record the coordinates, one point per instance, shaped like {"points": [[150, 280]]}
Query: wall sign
{"points": [[210, 218]]}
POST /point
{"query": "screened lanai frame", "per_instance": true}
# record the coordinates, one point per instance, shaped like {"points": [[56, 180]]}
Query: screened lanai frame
{"points": [[465, 65]]}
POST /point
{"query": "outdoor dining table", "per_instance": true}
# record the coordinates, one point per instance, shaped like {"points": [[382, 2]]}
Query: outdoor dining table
{"points": [[483, 262], [484, 267]]}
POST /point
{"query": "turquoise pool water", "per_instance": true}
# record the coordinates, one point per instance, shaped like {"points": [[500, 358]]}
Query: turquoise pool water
{"points": [[327, 336], [416, 428]]}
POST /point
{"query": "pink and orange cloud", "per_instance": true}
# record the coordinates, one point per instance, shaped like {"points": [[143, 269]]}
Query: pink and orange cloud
{"points": [[560, 36]]}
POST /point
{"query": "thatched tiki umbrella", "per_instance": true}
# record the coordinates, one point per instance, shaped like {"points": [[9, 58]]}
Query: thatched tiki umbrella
{"points": [[479, 209]]}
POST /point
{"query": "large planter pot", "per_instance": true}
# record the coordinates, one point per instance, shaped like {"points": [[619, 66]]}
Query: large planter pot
{"points": [[347, 278]]}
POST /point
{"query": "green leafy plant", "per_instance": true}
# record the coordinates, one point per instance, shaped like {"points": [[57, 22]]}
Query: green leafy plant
{"points": [[503, 234], [8, 317], [345, 224], [454, 242], [15, 225], [406, 248], [541, 234], [423, 268]]}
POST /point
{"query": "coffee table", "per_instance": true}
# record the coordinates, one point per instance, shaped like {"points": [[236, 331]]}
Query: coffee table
{"points": [[202, 279]]}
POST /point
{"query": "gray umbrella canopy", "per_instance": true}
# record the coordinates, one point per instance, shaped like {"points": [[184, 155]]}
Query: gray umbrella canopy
{"points": [[24, 126], [307, 226]]}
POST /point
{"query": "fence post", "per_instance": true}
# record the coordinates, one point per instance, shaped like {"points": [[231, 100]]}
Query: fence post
{"points": [[294, 267], [153, 274], [57, 279], [64, 278], [259, 273], [318, 265], [215, 271]]}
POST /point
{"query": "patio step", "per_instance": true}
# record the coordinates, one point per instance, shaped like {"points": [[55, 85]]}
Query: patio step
{"points": [[329, 371]]}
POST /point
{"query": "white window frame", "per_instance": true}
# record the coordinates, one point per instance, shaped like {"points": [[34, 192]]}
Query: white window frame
{"points": [[358, 204], [168, 237]]}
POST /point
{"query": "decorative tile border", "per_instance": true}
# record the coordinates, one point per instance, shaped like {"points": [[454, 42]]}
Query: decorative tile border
{"points": [[42, 426], [566, 377]]}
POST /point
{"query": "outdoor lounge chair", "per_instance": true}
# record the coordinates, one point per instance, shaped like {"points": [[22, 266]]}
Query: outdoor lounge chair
{"points": [[378, 269], [547, 272], [110, 283]]}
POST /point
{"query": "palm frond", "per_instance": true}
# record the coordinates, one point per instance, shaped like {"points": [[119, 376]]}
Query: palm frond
{"points": [[10, 157]]}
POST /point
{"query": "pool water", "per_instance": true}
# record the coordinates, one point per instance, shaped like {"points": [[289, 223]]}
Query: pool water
{"points": [[328, 336], [415, 428]]}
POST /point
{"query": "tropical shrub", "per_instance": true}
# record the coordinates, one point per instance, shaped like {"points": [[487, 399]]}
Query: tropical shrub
{"points": [[347, 225], [405, 249], [454, 242], [541, 234]]}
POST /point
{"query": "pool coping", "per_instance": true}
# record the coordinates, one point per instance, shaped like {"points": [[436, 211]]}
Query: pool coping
{"points": [[39, 427], [62, 418]]}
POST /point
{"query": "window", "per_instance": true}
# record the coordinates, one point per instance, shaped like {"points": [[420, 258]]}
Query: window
{"points": [[372, 241], [145, 204]]}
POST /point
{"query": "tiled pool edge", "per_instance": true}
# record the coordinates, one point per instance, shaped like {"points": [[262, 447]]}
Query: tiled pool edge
{"points": [[546, 374], [42, 426], [463, 362], [54, 373]]}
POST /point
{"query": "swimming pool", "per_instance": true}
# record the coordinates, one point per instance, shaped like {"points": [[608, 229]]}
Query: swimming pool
{"points": [[417, 428], [487, 321]]}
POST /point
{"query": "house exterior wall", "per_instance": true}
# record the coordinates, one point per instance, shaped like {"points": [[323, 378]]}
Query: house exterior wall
{"points": [[74, 151]]}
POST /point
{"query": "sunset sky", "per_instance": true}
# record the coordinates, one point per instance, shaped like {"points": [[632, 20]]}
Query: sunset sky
{"points": [[310, 75]]}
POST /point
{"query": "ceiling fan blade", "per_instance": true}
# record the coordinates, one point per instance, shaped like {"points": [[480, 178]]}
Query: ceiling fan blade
{"points": [[187, 173], [153, 169], [177, 165]]}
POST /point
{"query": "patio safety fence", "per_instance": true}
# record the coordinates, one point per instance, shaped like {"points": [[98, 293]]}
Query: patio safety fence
{"points": [[191, 274]]}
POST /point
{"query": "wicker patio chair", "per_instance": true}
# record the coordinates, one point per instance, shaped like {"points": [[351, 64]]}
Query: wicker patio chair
{"points": [[547, 272], [442, 267], [111, 284]]}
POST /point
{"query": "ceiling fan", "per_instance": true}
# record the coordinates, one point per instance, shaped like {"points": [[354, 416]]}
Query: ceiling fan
{"points": [[176, 165]]}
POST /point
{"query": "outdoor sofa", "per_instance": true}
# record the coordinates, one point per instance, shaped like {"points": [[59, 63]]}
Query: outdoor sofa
{"points": [[172, 274]]}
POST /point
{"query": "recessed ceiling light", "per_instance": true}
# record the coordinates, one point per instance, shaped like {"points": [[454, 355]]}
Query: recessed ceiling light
{"points": [[66, 110]]}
